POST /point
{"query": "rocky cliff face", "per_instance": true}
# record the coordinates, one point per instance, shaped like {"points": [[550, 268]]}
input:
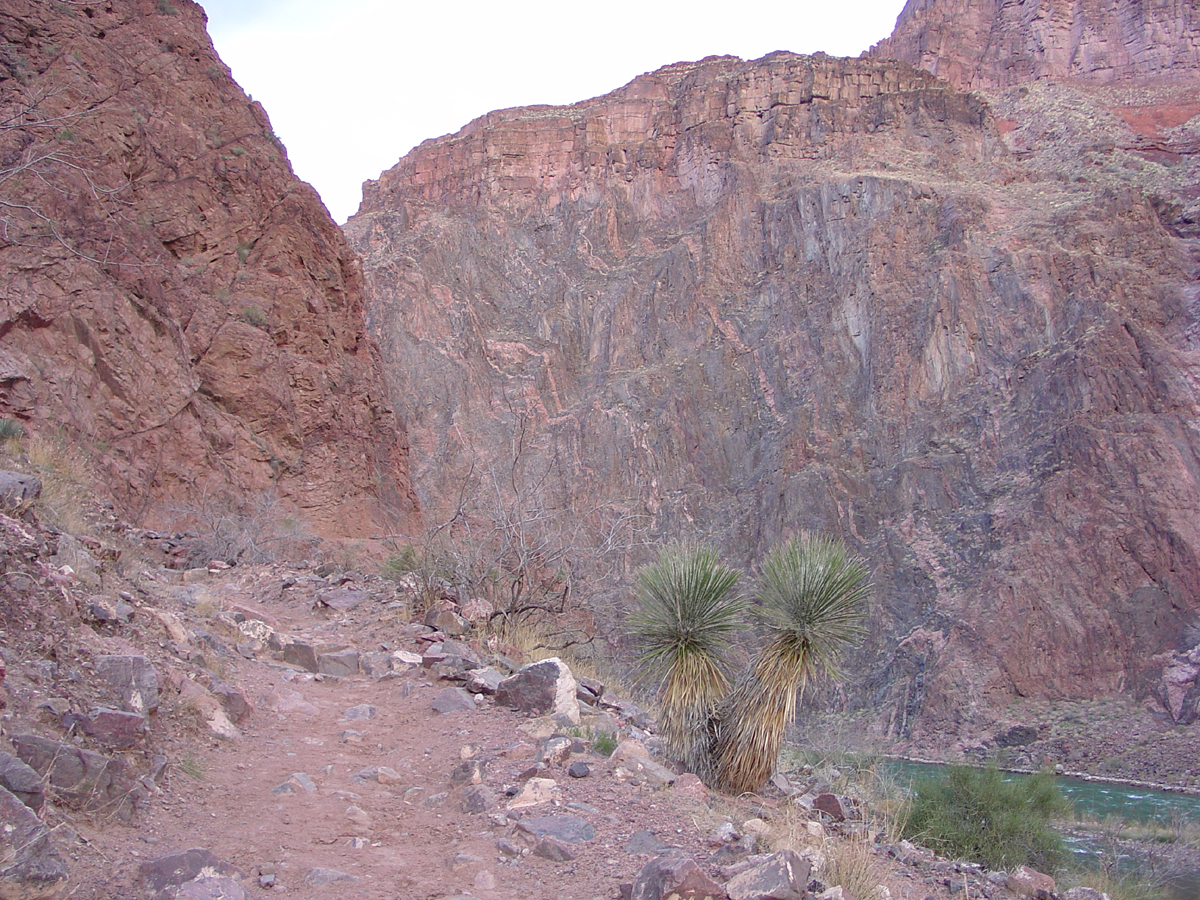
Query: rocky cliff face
{"points": [[173, 297], [990, 44], [744, 299]]}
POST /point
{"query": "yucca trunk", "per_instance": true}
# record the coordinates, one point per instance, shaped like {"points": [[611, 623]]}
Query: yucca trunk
{"points": [[750, 723], [691, 691]]}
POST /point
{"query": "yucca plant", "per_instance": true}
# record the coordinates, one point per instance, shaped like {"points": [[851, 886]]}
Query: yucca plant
{"points": [[813, 595], [688, 611]]}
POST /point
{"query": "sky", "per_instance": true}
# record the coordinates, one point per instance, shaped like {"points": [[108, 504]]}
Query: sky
{"points": [[352, 86]]}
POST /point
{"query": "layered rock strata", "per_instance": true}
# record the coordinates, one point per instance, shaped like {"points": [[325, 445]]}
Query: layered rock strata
{"points": [[174, 300], [747, 299]]}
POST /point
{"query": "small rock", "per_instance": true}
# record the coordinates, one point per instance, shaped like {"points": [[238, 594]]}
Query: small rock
{"points": [[297, 782], [832, 805], [162, 875], [210, 887], [358, 816], [690, 785], [485, 881], [298, 653], [113, 729], [645, 771], [556, 751], [342, 599], [579, 769], [553, 849], [285, 701], [478, 799], [22, 782], [362, 711], [535, 791], [321, 876], [645, 843], [484, 681], [469, 770], [17, 489]]}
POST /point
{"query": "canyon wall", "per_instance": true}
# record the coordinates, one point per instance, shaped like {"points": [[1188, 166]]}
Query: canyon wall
{"points": [[747, 299], [174, 300]]}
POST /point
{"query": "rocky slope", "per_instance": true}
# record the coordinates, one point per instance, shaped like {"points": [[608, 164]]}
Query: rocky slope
{"points": [[744, 299], [174, 299]]}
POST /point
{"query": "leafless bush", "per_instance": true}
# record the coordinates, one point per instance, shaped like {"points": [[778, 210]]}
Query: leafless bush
{"points": [[535, 559], [264, 529]]}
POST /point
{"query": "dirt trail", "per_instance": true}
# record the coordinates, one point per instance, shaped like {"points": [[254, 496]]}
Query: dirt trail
{"points": [[345, 778]]}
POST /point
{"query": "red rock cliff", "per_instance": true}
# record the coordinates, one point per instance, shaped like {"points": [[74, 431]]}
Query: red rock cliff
{"points": [[172, 295], [749, 298]]}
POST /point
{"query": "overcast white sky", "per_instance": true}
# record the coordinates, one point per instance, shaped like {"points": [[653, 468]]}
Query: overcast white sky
{"points": [[353, 85]]}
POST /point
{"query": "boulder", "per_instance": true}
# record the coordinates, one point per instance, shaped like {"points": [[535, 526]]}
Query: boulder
{"points": [[675, 877], [30, 867], [204, 703], [571, 829], [22, 782], [301, 654], [782, 877], [1027, 882], [77, 778], [342, 599], [164, 877], [113, 729], [452, 700], [542, 687], [342, 663], [17, 490], [134, 679]]}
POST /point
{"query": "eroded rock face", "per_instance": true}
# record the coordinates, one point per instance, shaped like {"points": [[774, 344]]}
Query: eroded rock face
{"points": [[173, 297], [745, 299], [993, 44]]}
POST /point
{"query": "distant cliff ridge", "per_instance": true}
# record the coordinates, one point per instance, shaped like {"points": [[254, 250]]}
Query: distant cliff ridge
{"points": [[174, 299], [747, 299], [992, 44]]}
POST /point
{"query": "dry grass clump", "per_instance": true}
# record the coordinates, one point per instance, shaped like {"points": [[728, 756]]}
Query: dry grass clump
{"points": [[68, 483], [851, 864]]}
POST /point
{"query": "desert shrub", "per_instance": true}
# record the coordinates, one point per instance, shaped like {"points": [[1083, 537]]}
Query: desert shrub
{"points": [[978, 815], [253, 315], [10, 430], [687, 611]]}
